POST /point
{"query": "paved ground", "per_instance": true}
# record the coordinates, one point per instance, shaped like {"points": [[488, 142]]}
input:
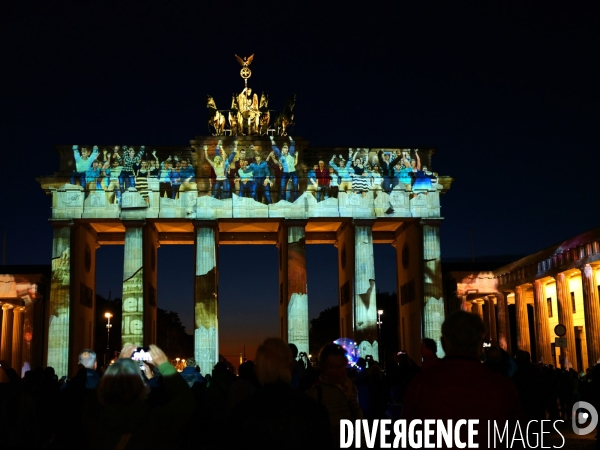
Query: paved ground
{"points": [[572, 441]]}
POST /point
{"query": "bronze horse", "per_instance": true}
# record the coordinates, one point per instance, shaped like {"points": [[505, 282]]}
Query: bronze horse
{"points": [[285, 120], [265, 115], [234, 117], [215, 118]]}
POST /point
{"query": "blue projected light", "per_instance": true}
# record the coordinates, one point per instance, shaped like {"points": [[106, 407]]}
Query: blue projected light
{"points": [[351, 347]]}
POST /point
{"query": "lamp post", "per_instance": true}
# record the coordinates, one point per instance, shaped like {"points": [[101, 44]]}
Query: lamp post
{"points": [[108, 327], [379, 322]]}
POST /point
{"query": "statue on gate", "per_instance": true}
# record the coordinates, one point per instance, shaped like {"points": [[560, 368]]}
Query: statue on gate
{"points": [[234, 117], [265, 115], [215, 118], [249, 113]]}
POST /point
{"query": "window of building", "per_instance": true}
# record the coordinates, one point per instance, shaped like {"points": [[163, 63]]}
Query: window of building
{"points": [[573, 302], [549, 301]]}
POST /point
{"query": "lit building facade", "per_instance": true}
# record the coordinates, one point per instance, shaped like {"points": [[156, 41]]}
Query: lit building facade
{"points": [[521, 303], [23, 295]]}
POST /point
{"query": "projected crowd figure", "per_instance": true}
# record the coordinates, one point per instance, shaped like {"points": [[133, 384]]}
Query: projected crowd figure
{"points": [[242, 170]]}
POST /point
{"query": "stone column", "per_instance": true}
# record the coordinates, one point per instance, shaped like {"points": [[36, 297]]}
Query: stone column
{"points": [[491, 319], [206, 303], [565, 317], [477, 308], [433, 311], [591, 309], [469, 307], [365, 304], [132, 324], [7, 326], [17, 339], [523, 342], [464, 304], [503, 323], [60, 299], [542, 323], [297, 298]]}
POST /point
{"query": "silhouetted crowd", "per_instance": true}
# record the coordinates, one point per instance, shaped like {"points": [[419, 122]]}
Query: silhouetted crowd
{"points": [[281, 400]]}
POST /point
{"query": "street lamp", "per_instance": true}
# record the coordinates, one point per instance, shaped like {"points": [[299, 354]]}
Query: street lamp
{"points": [[379, 322], [108, 327]]}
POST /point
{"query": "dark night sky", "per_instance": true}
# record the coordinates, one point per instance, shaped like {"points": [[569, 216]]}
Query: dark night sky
{"points": [[507, 92]]}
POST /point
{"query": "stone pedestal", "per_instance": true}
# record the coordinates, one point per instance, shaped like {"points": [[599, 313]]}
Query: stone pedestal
{"points": [[542, 324], [503, 323], [565, 317], [206, 304], [523, 339], [591, 309], [433, 311]]}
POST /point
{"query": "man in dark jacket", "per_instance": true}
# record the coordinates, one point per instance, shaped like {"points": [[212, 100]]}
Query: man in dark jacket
{"points": [[190, 374]]}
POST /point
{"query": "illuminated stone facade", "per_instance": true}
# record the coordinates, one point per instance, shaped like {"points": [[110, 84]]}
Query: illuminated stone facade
{"points": [[24, 292], [244, 190], [558, 285]]}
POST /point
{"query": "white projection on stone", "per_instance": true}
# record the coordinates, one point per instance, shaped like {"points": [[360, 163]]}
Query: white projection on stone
{"points": [[58, 326], [132, 328], [206, 336]]}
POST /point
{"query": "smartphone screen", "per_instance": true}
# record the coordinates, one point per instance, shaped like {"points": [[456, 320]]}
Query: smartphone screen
{"points": [[142, 354]]}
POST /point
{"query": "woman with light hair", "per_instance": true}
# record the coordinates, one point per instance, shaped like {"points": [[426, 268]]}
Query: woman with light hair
{"points": [[122, 416]]}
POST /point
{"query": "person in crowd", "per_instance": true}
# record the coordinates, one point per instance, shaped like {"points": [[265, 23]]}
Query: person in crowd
{"points": [[127, 178], [429, 353], [245, 180], [141, 180], [188, 177], [190, 374], [83, 162], [234, 160], [122, 418], [335, 390], [262, 179], [277, 170], [276, 416], [288, 159], [312, 185], [93, 176], [387, 170], [220, 165], [344, 171], [375, 180], [446, 392], [164, 178], [175, 177], [87, 358], [334, 183], [360, 184], [323, 180]]}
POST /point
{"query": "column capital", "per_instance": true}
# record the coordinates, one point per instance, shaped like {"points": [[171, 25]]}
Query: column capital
{"points": [[295, 223], [61, 223], [363, 222], [432, 222], [587, 270], [133, 223], [7, 306], [197, 223]]}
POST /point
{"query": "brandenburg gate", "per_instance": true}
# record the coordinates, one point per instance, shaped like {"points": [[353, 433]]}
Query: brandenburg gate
{"points": [[248, 183]]}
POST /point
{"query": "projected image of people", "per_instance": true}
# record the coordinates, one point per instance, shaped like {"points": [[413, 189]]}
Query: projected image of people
{"points": [[83, 162], [288, 158], [262, 179], [220, 165]]}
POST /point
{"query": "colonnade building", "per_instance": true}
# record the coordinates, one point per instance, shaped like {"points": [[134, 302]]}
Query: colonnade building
{"points": [[143, 197], [522, 303]]}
